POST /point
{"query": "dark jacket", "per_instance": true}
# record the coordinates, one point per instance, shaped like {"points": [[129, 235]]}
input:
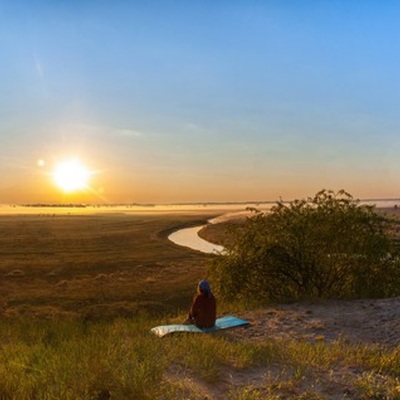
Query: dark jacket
{"points": [[204, 310]]}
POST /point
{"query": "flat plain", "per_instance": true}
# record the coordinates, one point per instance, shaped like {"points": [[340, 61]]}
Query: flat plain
{"points": [[96, 265]]}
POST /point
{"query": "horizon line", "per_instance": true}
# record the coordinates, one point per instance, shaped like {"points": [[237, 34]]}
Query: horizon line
{"points": [[150, 204]]}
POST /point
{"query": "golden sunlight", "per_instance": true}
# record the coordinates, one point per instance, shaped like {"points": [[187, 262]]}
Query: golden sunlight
{"points": [[71, 176]]}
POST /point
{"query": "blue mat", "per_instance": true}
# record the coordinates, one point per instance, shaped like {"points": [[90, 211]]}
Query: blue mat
{"points": [[221, 323]]}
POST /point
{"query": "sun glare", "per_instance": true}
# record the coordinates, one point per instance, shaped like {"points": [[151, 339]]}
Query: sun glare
{"points": [[71, 176]]}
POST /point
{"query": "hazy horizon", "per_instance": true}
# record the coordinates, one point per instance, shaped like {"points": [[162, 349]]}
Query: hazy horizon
{"points": [[191, 102], [389, 200]]}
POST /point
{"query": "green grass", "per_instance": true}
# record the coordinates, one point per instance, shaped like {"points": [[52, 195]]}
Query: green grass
{"points": [[68, 359], [71, 360]]}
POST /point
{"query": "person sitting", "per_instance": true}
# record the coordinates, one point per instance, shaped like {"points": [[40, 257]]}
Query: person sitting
{"points": [[204, 307]]}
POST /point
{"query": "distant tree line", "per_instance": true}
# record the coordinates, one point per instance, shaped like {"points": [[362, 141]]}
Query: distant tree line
{"points": [[56, 205]]}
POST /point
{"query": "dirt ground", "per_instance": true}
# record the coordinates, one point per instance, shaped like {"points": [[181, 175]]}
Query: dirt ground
{"points": [[357, 321]]}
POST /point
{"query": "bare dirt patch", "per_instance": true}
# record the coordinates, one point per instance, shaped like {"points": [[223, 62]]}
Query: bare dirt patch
{"points": [[357, 321]]}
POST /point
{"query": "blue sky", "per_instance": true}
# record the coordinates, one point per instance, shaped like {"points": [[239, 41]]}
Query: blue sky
{"points": [[200, 101]]}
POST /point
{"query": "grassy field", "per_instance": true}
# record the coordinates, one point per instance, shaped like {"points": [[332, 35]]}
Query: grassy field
{"points": [[96, 265], [120, 359], [83, 292]]}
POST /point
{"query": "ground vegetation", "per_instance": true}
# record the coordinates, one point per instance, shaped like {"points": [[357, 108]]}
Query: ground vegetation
{"points": [[327, 246]]}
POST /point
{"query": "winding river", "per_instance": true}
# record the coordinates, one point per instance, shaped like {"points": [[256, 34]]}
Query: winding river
{"points": [[189, 237]]}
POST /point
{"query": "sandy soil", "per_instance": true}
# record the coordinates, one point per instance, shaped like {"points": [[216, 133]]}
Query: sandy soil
{"points": [[359, 321]]}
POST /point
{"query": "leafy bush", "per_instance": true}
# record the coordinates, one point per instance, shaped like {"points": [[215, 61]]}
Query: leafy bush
{"points": [[326, 246]]}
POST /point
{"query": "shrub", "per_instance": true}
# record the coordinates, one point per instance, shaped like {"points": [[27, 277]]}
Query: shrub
{"points": [[326, 246]]}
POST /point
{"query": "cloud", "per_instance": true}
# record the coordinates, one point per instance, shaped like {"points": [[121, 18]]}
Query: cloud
{"points": [[72, 130], [192, 127], [128, 133], [39, 67], [116, 132]]}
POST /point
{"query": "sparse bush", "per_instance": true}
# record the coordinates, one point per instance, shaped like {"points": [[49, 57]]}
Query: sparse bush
{"points": [[326, 246]]}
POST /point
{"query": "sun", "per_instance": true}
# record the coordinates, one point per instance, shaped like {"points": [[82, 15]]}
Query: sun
{"points": [[71, 176]]}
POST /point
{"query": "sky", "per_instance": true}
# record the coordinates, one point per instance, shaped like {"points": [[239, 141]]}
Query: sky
{"points": [[195, 101]]}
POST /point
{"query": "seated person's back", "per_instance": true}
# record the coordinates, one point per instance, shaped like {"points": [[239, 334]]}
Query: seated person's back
{"points": [[204, 308]]}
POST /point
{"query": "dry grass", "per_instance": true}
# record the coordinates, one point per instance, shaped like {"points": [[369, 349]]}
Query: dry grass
{"points": [[96, 265]]}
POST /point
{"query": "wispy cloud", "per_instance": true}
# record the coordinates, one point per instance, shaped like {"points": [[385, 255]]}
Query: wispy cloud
{"points": [[100, 131], [128, 133], [39, 67], [118, 132], [192, 127]]}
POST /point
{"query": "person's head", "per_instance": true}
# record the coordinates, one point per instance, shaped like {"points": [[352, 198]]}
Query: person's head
{"points": [[204, 288]]}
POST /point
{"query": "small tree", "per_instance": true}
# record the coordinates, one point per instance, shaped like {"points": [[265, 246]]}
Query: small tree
{"points": [[326, 246]]}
